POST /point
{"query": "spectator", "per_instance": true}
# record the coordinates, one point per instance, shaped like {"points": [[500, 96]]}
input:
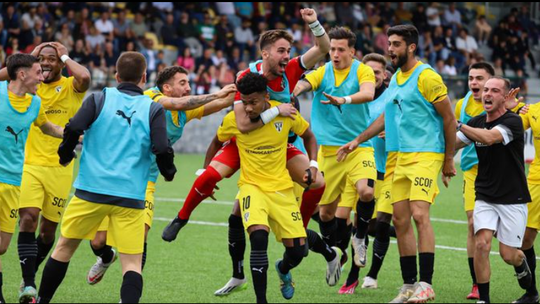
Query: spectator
{"points": [[3, 34], [387, 12], [13, 46], [526, 50], [359, 14], [295, 31], [426, 48], [439, 44], [95, 38], [138, 26], [452, 17], [420, 19], [70, 20], [186, 27], [450, 67], [501, 52], [79, 53], [529, 26], [122, 31], [203, 81], [381, 41], [225, 35], [345, 13], [498, 66], [513, 24], [403, 15], [466, 44], [228, 10], [235, 59], [26, 36], [3, 56], [64, 37], [12, 22], [43, 12], [151, 56], [373, 15], [226, 75], [207, 32], [327, 12], [187, 61], [131, 47], [30, 17], [500, 33], [168, 31], [433, 14], [482, 30], [206, 59], [105, 27], [97, 65], [83, 25], [364, 40], [245, 40], [439, 66], [37, 41], [218, 58], [517, 57]]}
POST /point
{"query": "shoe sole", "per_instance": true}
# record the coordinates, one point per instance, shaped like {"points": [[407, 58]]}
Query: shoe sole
{"points": [[27, 299], [237, 289]]}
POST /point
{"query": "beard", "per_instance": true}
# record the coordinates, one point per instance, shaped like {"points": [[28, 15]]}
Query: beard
{"points": [[402, 60]]}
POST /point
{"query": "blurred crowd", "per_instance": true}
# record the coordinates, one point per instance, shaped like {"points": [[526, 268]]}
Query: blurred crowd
{"points": [[216, 40]]}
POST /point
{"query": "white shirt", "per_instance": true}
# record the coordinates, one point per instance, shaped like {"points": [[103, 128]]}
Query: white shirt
{"points": [[243, 35], [225, 8], [433, 11], [104, 26], [454, 17], [469, 44]]}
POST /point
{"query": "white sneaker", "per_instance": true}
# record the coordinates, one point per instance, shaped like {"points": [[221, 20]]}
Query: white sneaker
{"points": [[96, 273], [360, 252], [370, 283], [423, 292], [405, 293], [333, 269], [233, 285]]}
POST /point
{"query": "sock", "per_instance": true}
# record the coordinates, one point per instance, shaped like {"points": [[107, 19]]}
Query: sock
{"points": [[259, 263], [237, 245], [1, 287], [531, 260], [343, 234], [292, 257], [132, 287], [43, 251], [483, 289], [364, 213], [144, 256], [354, 273], [521, 268], [380, 248], [471, 268], [202, 188], [317, 245], [392, 232], [427, 265], [28, 251], [328, 231], [105, 253], [310, 201], [316, 217], [409, 271], [53, 275]]}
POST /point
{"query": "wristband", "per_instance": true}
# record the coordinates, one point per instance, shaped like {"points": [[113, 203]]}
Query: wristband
{"points": [[348, 99], [317, 29], [269, 115], [314, 164], [200, 172], [64, 58], [237, 102]]}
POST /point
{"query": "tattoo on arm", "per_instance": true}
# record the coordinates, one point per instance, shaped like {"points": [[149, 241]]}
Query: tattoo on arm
{"points": [[194, 101]]}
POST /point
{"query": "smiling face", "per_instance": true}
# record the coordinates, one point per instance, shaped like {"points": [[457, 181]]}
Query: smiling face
{"points": [[341, 54], [32, 78], [477, 80], [380, 72], [51, 64], [277, 56], [178, 86], [494, 95]]}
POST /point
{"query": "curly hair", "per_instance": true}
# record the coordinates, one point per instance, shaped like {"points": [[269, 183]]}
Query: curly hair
{"points": [[252, 83], [167, 74]]}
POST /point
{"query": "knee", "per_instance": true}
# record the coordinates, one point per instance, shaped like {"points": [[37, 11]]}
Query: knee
{"points": [[483, 246], [28, 220], [326, 215], [421, 218], [400, 221], [47, 236], [366, 194], [98, 243], [259, 240], [507, 256], [295, 254]]}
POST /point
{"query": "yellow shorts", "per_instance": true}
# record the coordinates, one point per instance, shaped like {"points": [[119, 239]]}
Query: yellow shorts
{"points": [[416, 181], [533, 219], [149, 204], [126, 225], [47, 189], [469, 192], [278, 210], [9, 207], [384, 202], [342, 177]]}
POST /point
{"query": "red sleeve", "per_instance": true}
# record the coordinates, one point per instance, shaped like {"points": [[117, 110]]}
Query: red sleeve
{"points": [[240, 75], [294, 72]]}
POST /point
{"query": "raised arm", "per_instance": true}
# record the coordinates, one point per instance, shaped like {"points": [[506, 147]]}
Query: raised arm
{"points": [[79, 72], [218, 105], [192, 102], [322, 42]]}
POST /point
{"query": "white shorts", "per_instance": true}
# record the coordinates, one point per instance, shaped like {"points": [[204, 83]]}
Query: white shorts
{"points": [[507, 221]]}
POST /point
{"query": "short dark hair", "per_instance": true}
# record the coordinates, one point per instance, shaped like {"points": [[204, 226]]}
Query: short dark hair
{"points": [[374, 57], [252, 83], [407, 31], [507, 83], [483, 66], [167, 74], [343, 33], [270, 37], [131, 67], [19, 61]]}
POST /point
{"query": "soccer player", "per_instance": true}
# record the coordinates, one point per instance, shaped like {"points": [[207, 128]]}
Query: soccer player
{"points": [[172, 83], [282, 74], [383, 186], [18, 111], [468, 107], [501, 185], [61, 97], [121, 128], [266, 188], [426, 136], [342, 88]]}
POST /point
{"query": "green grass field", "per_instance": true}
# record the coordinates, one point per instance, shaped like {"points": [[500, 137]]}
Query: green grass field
{"points": [[197, 263]]}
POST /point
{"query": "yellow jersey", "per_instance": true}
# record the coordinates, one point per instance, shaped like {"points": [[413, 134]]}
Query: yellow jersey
{"points": [[21, 105], [475, 107], [263, 152], [531, 120], [432, 87], [197, 113], [365, 74], [61, 102]]}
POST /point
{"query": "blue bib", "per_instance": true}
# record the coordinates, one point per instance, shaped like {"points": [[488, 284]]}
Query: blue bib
{"points": [[469, 158], [331, 126], [420, 127], [14, 130], [376, 108], [116, 156]]}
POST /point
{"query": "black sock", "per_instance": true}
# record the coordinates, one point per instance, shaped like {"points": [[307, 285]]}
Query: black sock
{"points": [[392, 232], [132, 287], [354, 274], [144, 256], [364, 213], [316, 217], [259, 263], [105, 253], [1, 287], [380, 248], [471, 268], [521, 268], [43, 251], [343, 234], [531, 260], [483, 289], [317, 245], [28, 251], [53, 275], [237, 245], [409, 271], [292, 257], [328, 231], [427, 265]]}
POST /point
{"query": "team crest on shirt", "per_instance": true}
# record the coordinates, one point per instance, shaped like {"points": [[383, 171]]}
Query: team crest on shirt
{"points": [[58, 89], [279, 126]]}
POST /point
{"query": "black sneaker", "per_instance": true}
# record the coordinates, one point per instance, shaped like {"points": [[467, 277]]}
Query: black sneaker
{"points": [[527, 298], [525, 277], [171, 231]]}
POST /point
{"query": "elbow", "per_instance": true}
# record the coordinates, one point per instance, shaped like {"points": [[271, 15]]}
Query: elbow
{"points": [[243, 130], [86, 78]]}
